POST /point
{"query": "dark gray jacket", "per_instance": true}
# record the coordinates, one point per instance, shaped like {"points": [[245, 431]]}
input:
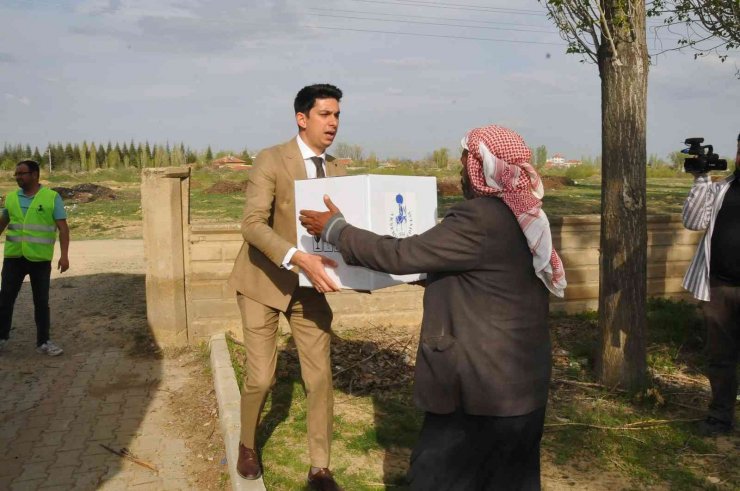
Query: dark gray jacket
{"points": [[485, 344]]}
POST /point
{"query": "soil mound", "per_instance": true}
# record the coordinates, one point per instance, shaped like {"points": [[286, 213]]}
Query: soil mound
{"points": [[555, 182], [86, 192], [227, 187]]}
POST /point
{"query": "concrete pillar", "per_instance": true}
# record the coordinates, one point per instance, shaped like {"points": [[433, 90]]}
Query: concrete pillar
{"points": [[165, 210]]}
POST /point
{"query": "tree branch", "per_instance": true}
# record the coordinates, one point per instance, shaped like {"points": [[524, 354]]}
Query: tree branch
{"points": [[606, 33]]}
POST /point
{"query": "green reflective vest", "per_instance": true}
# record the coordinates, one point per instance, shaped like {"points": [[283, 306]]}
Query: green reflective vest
{"points": [[31, 236]]}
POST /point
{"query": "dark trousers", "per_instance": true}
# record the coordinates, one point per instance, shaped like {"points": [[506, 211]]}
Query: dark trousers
{"points": [[15, 270], [722, 320], [460, 452]]}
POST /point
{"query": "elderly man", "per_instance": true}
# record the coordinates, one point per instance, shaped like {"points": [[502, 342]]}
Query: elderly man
{"points": [[483, 364]]}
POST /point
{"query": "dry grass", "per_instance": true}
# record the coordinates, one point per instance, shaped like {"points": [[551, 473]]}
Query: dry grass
{"points": [[195, 416], [596, 437]]}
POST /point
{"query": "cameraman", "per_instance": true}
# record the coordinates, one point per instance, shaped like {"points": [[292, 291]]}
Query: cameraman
{"points": [[714, 277]]}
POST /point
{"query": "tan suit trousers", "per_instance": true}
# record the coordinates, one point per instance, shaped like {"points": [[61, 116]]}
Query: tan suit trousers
{"points": [[309, 316]]}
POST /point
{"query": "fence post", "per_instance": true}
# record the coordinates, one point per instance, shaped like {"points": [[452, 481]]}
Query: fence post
{"points": [[164, 207]]}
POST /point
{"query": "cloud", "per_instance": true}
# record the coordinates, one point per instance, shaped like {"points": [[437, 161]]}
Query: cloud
{"points": [[19, 99], [97, 7], [138, 93], [547, 82], [675, 77], [227, 65], [133, 10], [189, 26], [412, 62], [176, 69]]}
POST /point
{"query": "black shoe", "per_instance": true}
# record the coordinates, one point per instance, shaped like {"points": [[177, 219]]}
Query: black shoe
{"points": [[713, 426]]}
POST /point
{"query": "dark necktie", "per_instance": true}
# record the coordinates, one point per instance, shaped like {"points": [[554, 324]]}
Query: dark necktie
{"points": [[319, 163]]}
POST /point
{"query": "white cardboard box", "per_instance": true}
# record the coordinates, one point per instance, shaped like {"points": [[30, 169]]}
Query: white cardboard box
{"points": [[400, 206]]}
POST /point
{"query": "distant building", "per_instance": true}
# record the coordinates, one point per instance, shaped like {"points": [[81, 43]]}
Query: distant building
{"points": [[345, 161], [558, 162], [230, 162]]}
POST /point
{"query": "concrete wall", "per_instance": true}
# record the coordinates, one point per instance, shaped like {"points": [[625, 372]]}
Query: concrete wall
{"points": [[212, 305], [188, 276], [576, 238], [213, 249]]}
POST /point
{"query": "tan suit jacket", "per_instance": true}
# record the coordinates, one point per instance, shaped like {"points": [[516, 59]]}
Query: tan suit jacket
{"points": [[269, 227]]}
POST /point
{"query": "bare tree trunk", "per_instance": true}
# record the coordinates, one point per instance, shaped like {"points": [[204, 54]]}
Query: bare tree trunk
{"points": [[623, 67]]}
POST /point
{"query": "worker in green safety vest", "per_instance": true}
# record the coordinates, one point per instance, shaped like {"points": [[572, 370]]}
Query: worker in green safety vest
{"points": [[32, 216]]}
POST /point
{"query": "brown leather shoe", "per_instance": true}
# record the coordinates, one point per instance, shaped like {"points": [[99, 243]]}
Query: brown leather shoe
{"points": [[323, 481], [248, 466]]}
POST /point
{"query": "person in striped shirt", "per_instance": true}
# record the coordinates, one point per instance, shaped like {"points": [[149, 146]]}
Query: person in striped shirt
{"points": [[714, 278]]}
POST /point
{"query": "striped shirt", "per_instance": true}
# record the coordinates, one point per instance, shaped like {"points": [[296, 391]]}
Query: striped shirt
{"points": [[700, 213]]}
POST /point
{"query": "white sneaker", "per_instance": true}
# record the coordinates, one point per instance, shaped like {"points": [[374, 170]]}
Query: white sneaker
{"points": [[49, 348]]}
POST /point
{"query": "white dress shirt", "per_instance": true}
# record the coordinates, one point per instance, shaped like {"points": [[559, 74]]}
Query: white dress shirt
{"points": [[306, 153]]}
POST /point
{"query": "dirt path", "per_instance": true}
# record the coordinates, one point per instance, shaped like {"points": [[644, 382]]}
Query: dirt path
{"points": [[111, 388]]}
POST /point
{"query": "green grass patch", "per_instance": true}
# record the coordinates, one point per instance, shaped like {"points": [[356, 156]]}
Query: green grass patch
{"points": [[589, 437], [216, 196], [209, 202], [119, 218], [664, 195], [101, 218], [374, 428], [130, 175], [214, 207]]}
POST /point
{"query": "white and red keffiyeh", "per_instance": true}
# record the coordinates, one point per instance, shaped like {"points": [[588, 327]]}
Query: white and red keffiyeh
{"points": [[498, 165]]}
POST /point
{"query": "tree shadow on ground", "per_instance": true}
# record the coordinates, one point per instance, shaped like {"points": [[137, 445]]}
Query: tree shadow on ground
{"points": [[636, 440], [59, 413]]}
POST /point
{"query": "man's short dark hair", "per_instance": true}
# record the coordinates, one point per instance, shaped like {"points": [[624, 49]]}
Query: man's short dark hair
{"points": [[32, 165], [306, 97]]}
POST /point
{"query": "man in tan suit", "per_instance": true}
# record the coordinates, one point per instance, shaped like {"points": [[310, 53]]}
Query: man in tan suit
{"points": [[266, 281]]}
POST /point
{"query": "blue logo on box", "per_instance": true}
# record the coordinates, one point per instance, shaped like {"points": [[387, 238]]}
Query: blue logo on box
{"points": [[401, 222]]}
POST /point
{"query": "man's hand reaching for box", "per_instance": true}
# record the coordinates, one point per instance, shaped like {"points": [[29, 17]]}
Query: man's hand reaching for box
{"points": [[313, 266], [315, 221]]}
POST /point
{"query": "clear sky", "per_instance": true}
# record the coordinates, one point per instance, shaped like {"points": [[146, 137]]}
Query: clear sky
{"points": [[225, 72]]}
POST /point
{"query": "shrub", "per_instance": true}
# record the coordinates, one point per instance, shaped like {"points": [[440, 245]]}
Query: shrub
{"points": [[582, 171], [664, 171]]}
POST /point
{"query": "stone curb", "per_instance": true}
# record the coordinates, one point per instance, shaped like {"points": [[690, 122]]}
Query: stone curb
{"points": [[227, 394]]}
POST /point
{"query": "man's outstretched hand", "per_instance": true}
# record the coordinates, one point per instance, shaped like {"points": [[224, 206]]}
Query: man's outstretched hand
{"points": [[315, 221], [312, 265]]}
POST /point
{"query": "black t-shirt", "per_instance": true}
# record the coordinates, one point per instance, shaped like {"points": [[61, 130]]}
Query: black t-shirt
{"points": [[725, 251]]}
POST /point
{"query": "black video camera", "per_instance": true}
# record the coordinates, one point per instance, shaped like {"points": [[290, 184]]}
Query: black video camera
{"points": [[706, 160]]}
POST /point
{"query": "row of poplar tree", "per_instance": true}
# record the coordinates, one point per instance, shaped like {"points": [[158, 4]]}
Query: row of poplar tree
{"points": [[90, 156]]}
